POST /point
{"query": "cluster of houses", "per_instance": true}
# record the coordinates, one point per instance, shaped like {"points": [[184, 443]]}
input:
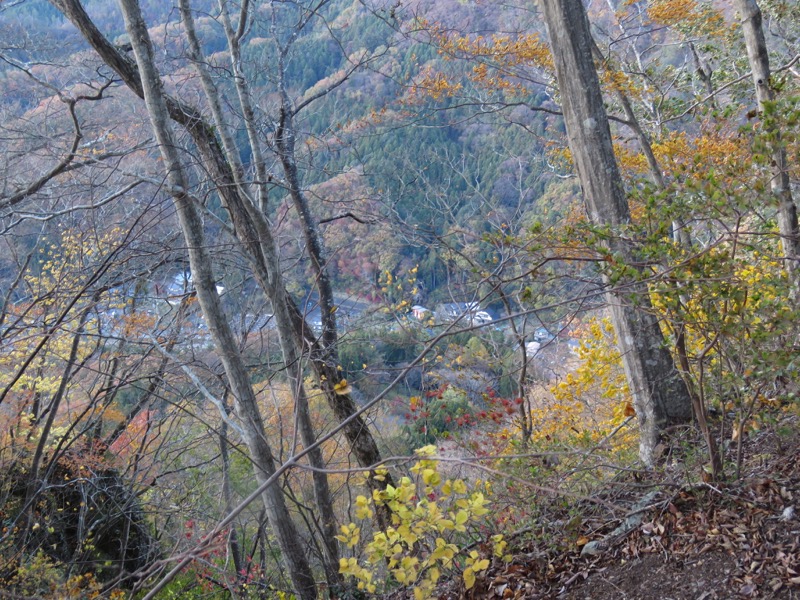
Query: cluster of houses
{"points": [[469, 313], [466, 314]]}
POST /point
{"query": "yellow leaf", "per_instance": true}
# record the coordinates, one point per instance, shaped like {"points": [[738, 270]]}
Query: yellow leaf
{"points": [[431, 477], [342, 388], [469, 578], [428, 450]]}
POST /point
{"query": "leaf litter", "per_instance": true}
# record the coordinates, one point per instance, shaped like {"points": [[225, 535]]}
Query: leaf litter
{"points": [[695, 541]]}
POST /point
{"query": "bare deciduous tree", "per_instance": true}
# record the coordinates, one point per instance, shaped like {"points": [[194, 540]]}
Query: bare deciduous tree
{"points": [[246, 405]]}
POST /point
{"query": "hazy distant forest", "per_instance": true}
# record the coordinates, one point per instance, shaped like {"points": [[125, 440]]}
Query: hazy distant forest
{"points": [[398, 298]]}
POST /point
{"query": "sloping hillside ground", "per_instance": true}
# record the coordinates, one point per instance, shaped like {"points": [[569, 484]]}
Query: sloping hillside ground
{"points": [[660, 535]]}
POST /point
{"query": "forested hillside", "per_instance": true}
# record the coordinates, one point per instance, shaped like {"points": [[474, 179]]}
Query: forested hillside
{"points": [[415, 298]]}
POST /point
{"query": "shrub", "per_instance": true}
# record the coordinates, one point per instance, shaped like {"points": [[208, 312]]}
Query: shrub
{"points": [[431, 522]]}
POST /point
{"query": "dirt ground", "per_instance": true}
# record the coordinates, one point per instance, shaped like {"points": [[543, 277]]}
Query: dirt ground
{"points": [[727, 540], [706, 577], [734, 539]]}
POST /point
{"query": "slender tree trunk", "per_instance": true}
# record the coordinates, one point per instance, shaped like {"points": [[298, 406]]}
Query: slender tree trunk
{"points": [[324, 352], [322, 494], [757, 55], [227, 496], [285, 143], [681, 236], [35, 485], [659, 394], [288, 339], [522, 377], [252, 231], [245, 401], [703, 72], [245, 101]]}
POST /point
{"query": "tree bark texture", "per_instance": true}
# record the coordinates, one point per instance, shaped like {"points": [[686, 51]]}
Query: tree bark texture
{"points": [[758, 57], [660, 395]]}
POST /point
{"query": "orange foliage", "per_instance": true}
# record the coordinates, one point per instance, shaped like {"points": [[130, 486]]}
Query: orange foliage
{"points": [[127, 444], [688, 15], [279, 422], [498, 59], [503, 50], [630, 160], [615, 80], [671, 12], [434, 85]]}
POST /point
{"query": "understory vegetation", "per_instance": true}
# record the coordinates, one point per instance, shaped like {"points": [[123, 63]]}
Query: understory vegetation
{"points": [[313, 299]]}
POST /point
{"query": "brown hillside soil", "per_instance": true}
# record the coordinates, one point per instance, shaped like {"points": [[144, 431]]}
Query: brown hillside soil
{"points": [[695, 541]]}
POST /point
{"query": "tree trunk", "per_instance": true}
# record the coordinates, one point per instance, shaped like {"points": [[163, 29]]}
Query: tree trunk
{"points": [[324, 352], [234, 547], [288, 340], [202, 276], [757, 55], [659, 394], [252, 230]]}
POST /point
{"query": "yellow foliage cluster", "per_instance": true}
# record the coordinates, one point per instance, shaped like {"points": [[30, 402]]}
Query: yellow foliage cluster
{"points": [[41, 577], [560, 156], [74, 252], [428, 514], [62, 273], [670, 12], [590, 402], [495, 60], [614, 79], [677, 150], [483, 76], [631, 161], [731, 306], [397, 290]]}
